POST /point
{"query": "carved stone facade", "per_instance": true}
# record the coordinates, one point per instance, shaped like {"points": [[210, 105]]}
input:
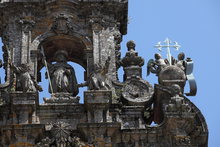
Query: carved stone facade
{"points": [[114, 113]]}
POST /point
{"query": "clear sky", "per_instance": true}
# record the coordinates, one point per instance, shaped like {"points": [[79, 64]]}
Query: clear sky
{"points": [[195, 25]]}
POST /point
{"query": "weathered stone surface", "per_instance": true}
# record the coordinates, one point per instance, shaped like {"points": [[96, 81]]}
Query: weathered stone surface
{"points": [[131, 113]]}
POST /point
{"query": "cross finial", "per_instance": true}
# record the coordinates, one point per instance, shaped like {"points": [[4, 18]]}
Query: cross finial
{"points": [[168, 45]]}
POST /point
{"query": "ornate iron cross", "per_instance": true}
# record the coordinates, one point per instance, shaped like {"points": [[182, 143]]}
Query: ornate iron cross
{"points": [[168, 45]]}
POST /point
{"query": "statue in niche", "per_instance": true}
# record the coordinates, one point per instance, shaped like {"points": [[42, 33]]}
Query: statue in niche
{"points": [[63, 79], [24, 80], [155, 66], [98, 80]]}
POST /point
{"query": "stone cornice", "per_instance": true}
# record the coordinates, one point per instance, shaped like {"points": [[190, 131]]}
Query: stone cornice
{"points": [[118, 9]]}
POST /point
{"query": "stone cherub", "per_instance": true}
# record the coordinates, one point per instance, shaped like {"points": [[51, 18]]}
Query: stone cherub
{"points": [[155, 66], [24, 80], [181, 61], [98, 80], [62, 75]]}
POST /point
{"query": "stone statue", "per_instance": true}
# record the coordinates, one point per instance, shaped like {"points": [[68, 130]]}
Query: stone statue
{"points": [[24, 80], [98, 80], [181, 61], [63, 79], [155, 66]]}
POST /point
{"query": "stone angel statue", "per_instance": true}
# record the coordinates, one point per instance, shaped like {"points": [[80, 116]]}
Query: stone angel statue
{"points": [[155, 66], [98, 80], [24, 80]]}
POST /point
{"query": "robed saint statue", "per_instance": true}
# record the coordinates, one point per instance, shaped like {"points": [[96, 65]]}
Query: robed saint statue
{"points": [[62, 75]]}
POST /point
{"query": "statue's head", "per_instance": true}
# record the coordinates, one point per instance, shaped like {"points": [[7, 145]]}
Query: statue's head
{"points": [[181, 56], [157, 56], [61, 56]]}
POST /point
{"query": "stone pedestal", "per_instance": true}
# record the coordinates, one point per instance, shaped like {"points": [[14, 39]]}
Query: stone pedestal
{"points": [[62, 98], [132, 117], [71, 114], [24, 107], [97, 104]]}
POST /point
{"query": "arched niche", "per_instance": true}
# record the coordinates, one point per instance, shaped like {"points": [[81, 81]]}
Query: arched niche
{"points": [[72, 45], [78, 46]]}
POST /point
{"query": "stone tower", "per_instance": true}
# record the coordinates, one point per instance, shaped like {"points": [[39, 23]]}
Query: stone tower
{"points": [[49, 33]]}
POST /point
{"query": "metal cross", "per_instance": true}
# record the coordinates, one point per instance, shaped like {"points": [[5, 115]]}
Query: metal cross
{"points": [[168, 45]]}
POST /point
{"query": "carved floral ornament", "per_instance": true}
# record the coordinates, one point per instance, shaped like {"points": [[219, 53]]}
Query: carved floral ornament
{"points": [[61, 136]]}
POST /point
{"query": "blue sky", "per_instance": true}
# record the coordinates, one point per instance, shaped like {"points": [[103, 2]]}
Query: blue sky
{"points": [[195, 25]]}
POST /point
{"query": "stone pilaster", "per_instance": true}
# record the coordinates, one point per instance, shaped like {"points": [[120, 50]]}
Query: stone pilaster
{"points": [[97, 104]]}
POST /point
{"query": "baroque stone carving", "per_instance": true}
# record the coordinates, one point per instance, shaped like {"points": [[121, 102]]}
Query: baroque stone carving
{"points": [[180, 62], [155, 66], [137, 92], [177, 102], [61, 137], [131, 58], [24, 80], [27, 24], [118, 39], [98, 80], [63, 79], [63, 25], [161, 66], [114, 113]]}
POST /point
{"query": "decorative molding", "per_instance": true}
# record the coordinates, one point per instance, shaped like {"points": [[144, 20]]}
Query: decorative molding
{"points": [[63, 24]]}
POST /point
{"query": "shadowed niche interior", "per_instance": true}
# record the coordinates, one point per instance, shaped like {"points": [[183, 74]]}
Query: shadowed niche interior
{"points": [[73, 46]]}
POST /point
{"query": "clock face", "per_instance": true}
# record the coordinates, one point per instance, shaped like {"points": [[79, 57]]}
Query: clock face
{"points": [[137, 91]]}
